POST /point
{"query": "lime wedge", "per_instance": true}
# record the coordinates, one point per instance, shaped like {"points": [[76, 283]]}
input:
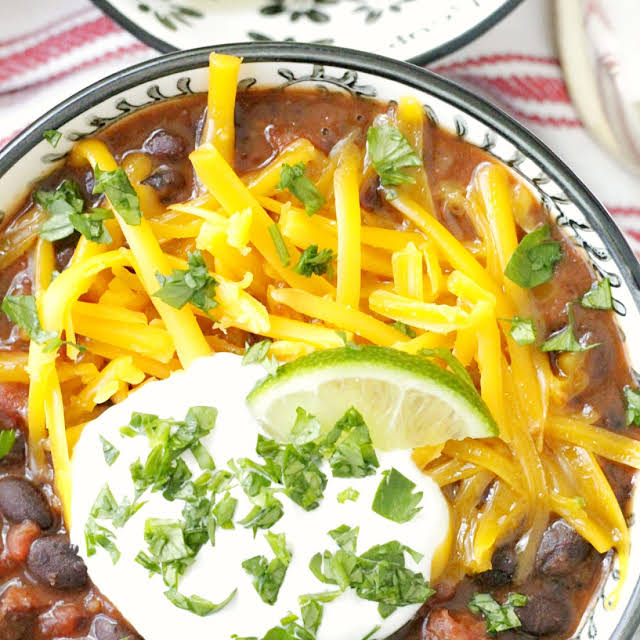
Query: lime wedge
{"points": [[406, 400]]}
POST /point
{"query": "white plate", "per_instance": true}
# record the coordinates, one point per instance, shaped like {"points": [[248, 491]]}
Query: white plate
{"points": [[415, 30]]}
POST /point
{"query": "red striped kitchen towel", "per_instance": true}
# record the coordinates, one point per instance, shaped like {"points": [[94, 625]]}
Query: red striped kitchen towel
{"points": [[49, 50]]}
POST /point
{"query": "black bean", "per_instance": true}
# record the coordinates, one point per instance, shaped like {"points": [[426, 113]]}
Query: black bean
{"points": [[105, 628], [166, 181], [21, 500], [561, 550], [164, 144], [548, 610], [56, 563], [503, 566]]}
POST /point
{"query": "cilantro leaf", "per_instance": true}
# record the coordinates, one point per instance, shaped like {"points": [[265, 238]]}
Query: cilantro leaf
{"points": [[498, 617], [196, 604], [534, 259], [61, 203], [296, 469], [632, 396], [378, 575], [91, 225], [109, 451], [165, 539], [7, 440], [565, 340], [98, 536], [65, 206], [52, 136], [348, 494], [350, 450], [265, 513], [346, 537], [23, 312], [395, 499], [306, 428], [224, 510], [523, 330], [404, 328], [311, 608], [278, 242], [269, 575], [313, 262], [389, 152], [444, 354], [258, 353], [122, 196], [293, 179], [599, 296], [193, 285]]}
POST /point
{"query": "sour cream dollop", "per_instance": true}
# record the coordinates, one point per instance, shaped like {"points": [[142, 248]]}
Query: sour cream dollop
{"points": [[221, 381]]}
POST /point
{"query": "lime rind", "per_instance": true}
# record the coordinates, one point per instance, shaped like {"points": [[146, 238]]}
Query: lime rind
{"points": [[387, 386]]}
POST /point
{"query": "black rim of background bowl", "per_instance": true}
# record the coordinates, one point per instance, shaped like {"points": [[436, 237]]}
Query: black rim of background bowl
{"points": [[424, 58], [402, 72]]}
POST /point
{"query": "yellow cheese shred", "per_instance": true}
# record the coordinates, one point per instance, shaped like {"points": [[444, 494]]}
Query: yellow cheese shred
{"points": [[347, 203], [148, 261], [223, 82]]}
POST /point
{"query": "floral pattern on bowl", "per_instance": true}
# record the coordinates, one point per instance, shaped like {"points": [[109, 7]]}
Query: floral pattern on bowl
{"points": [[403, 29]]}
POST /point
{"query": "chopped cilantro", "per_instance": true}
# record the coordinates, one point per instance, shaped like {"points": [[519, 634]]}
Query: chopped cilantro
{"points": [[523, 330], [346, 537], [196, 604], [293, 179], [122, 196], [389, 152], [498, 617], [316, 262], [258, 353], [7, 440], [444, 354], [348, 494], [565, 340], [306, 428], [311, 608], [224, 511], [266, 512], [91, 225], [404, 328], [65, 206], [378, 575], [278, 242], [632, 396], [395, 498], [109, 451], [52, 136], [269, 575], [534, 260], [295, 468], [23, 312], [98, 536], [351, 452], [599, 296], [193, 285]]}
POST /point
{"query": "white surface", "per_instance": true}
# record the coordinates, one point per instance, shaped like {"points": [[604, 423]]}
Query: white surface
{"points": [[221, 381]]}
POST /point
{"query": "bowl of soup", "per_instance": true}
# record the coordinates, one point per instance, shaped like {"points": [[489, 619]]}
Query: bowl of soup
{"points": [[304, 343]]}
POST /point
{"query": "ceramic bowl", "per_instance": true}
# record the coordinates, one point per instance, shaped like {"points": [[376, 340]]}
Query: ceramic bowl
{"points": [[415, 30], [472, 119]]}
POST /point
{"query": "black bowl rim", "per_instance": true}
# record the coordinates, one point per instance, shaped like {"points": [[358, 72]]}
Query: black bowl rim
{"points": [[427, 57], [394, 70]]}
